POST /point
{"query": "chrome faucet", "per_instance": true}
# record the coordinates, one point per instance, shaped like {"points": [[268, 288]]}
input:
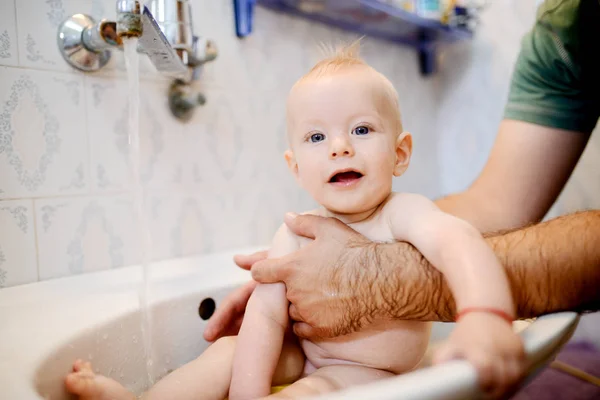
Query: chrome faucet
{"points": [[165, 34]]}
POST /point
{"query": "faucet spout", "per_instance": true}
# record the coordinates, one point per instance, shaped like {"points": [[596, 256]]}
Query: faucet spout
{"points": [[129, 18], [165, 34]]}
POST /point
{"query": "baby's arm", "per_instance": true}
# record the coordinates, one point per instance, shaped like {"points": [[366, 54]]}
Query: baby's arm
{"points": [[476, 279], [457, 249], [261, 336]]}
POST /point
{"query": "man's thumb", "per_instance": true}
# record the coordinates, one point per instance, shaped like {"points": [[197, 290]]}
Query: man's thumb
{"points": [[246, 261], [266, 271], [303, 225]]}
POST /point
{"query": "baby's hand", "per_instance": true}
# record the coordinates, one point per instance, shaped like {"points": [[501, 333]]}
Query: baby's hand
{"points": [[488, 342]]}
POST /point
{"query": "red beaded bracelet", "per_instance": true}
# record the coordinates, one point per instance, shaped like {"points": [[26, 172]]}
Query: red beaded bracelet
{"points": [[502, 314]]}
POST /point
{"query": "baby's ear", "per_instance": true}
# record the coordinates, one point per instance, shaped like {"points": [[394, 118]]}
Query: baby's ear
{"points": [[403, 152], [291, 162]]}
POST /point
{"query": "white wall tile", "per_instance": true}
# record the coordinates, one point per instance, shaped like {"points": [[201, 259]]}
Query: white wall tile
{"points": [[160, 136], [178, 225], [84, 234], [43, 146], [18, 263], [8, 34], [218, 132]]}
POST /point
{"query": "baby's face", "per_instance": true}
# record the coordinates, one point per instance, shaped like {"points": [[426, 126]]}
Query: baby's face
{"points": [[344, 141]]}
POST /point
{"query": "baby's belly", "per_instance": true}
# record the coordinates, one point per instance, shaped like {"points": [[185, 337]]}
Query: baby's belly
{"points": [[395, 346]]}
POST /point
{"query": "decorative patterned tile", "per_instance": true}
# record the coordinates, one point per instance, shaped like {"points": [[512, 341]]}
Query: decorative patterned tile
{"points": [[160, 133], [178, 225], [43, 142], [271, 204], [8, 35], [250, 213], [38, 23], [84, 234], [224, 140], [18, 263]]}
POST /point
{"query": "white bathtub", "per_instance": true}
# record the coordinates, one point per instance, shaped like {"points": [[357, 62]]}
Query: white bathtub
{"points": [[45, 326]]}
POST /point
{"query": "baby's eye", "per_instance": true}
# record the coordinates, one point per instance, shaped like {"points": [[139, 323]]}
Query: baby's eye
{"points": [[361, 130], [317, 137]]}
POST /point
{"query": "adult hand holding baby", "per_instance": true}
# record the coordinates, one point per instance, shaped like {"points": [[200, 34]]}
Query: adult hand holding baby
{"points": [[339, 282], [322, 285]]}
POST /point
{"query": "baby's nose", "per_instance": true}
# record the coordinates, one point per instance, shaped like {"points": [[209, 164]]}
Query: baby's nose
{"points": [[341, 148]]}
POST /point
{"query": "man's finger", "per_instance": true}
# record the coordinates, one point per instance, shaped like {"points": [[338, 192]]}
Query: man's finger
{"points": [[294, 314], [305, 225], [270, 271], [304, 331], [246, 261], [219, 321], [233, 305]]}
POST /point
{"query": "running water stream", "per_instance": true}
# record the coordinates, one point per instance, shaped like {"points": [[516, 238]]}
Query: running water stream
{"points": [[143, 234]]}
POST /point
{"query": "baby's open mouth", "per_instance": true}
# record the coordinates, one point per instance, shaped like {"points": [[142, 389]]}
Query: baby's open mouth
{"points": [[345, 177]]}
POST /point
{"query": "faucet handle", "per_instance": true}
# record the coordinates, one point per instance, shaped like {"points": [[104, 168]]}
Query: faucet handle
{"points": [[183, 100], [205, 50]]}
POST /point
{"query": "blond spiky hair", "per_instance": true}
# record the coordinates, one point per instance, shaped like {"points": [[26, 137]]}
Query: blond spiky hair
{"points": [[336, 58]]}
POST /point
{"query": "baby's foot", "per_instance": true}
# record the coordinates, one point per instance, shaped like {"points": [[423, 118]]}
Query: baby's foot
{"points": [[89, 386]]}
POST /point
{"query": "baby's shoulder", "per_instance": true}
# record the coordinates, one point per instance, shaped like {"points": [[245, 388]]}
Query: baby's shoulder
{"points": [[404, 201], [285, 238]]}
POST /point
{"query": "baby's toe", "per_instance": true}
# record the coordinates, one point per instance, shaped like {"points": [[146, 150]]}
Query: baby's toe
{"points": [[82, 383], [80, 365]]}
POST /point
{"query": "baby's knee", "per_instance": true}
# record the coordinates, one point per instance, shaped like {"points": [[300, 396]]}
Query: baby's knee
{"points": [[224, 346]]}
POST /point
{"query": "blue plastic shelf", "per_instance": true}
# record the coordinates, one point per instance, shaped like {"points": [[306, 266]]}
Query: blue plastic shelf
{"points": [[368, 17]]}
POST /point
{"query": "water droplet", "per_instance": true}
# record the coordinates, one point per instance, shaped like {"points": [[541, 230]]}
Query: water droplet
{"points": [[90, 357], [105, 336]]}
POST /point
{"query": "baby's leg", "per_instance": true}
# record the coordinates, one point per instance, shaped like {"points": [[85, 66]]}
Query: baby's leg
{"points": [[330, 379], [86, 385], [209, 376]]}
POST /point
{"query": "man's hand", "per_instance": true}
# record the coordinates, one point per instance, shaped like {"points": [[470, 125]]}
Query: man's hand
{"points": [[229, 315], [329, 281]]}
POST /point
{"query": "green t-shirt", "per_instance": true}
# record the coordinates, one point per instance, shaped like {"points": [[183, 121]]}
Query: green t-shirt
{"points": [[556, 80]]}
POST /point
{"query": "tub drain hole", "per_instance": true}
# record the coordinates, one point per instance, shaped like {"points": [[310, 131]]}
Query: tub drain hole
{"points": [[206, 308]]}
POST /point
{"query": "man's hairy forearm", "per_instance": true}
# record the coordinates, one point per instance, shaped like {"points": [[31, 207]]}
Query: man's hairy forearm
{"points": [[552, 266]]}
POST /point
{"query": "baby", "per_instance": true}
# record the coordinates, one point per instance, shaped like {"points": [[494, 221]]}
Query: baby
{"points": [[346, 145]]}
